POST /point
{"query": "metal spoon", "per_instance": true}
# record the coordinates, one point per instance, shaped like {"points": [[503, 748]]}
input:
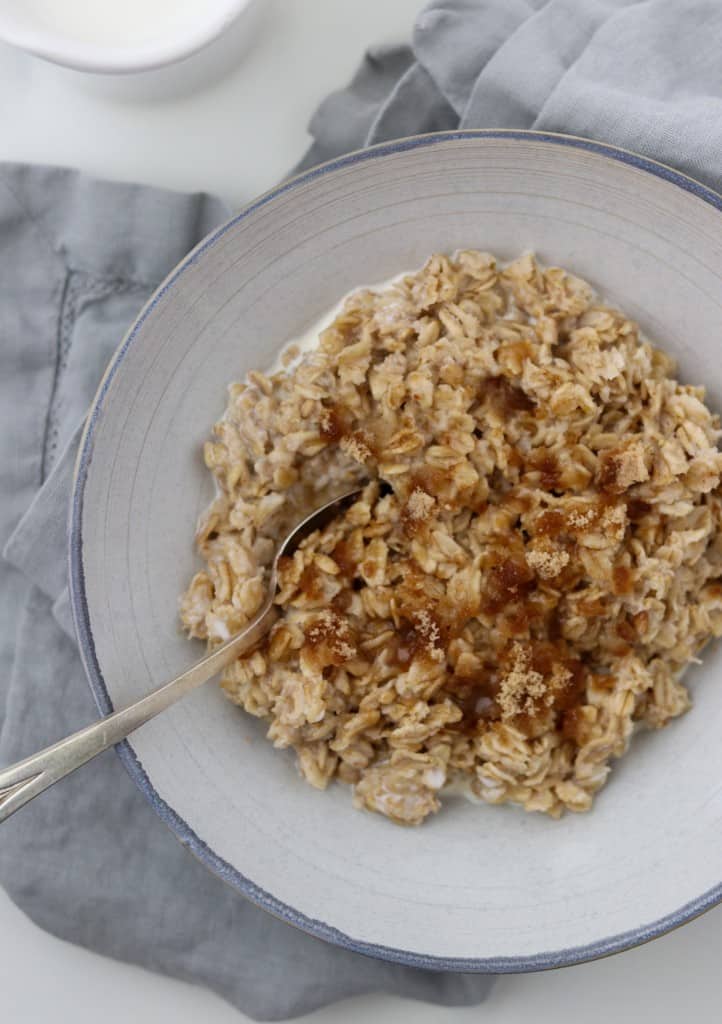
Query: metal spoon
{"points": [[23, 781]]}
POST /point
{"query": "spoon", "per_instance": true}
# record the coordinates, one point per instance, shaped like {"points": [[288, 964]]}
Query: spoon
{"points": [[25, 780]]}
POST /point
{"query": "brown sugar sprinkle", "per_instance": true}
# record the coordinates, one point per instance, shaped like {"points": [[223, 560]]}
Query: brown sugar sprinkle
{"points": [[532, 564], [429, 631], [476, 697], [517, 620], [508, 580], [311, 584], [545, 465], [416, 511], [637, 510], [569, 685], [553, 624], [334, 428], [503, 396], [330, 634], [521, 685], [331, 425], [607, 478], [343, 556], [548, 563], [575, 725], [582, 518], [421, 637], [537, 686], [431, 480], [620, 468], [358, 446], [622, 579], [551, 523]]}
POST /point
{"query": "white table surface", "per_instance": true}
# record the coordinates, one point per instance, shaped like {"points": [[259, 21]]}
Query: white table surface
{"points": [[236, 134]]}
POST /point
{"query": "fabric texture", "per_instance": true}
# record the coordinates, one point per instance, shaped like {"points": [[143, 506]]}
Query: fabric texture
{"points": [[89, 860]]}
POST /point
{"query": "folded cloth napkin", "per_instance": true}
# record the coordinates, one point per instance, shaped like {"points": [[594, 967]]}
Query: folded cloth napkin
{"points": [[89, 860]]}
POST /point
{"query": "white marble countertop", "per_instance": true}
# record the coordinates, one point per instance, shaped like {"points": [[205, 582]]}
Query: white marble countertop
{"points": [[235, 134]]}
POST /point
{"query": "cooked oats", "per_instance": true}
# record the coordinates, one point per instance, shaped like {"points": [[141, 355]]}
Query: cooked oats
{"points": [[534, 560]]}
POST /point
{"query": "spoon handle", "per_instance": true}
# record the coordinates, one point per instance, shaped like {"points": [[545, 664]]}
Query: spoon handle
{"points": [[25, 780]]}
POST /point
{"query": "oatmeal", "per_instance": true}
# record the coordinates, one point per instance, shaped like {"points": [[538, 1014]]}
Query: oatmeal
{"points": [[535, 558]]}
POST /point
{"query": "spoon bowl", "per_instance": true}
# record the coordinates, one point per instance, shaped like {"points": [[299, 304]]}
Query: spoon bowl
{"points": [[25, 780]]}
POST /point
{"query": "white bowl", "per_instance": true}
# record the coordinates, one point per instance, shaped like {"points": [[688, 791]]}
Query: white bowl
{"points": [[61, 36], [477, 887]]}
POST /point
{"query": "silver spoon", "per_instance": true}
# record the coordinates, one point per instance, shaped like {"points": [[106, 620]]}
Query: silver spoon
{"points": [[25, 780]]}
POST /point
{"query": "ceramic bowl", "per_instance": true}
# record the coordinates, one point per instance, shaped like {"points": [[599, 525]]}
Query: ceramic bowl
{"points": [[63, 40], [477, 887]]}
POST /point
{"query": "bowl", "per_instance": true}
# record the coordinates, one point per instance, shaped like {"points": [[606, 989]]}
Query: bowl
{"points": [[477, 888], [110, 42]]}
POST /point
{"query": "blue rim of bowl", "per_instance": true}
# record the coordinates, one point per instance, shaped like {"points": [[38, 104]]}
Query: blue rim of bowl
{"points": [[487, 965]]}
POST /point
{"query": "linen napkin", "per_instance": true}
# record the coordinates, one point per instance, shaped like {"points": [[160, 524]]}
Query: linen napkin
{"points": [[89, 860]]}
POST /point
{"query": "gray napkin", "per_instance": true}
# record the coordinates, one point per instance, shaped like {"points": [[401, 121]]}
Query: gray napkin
{"points": [[89, 860]]}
